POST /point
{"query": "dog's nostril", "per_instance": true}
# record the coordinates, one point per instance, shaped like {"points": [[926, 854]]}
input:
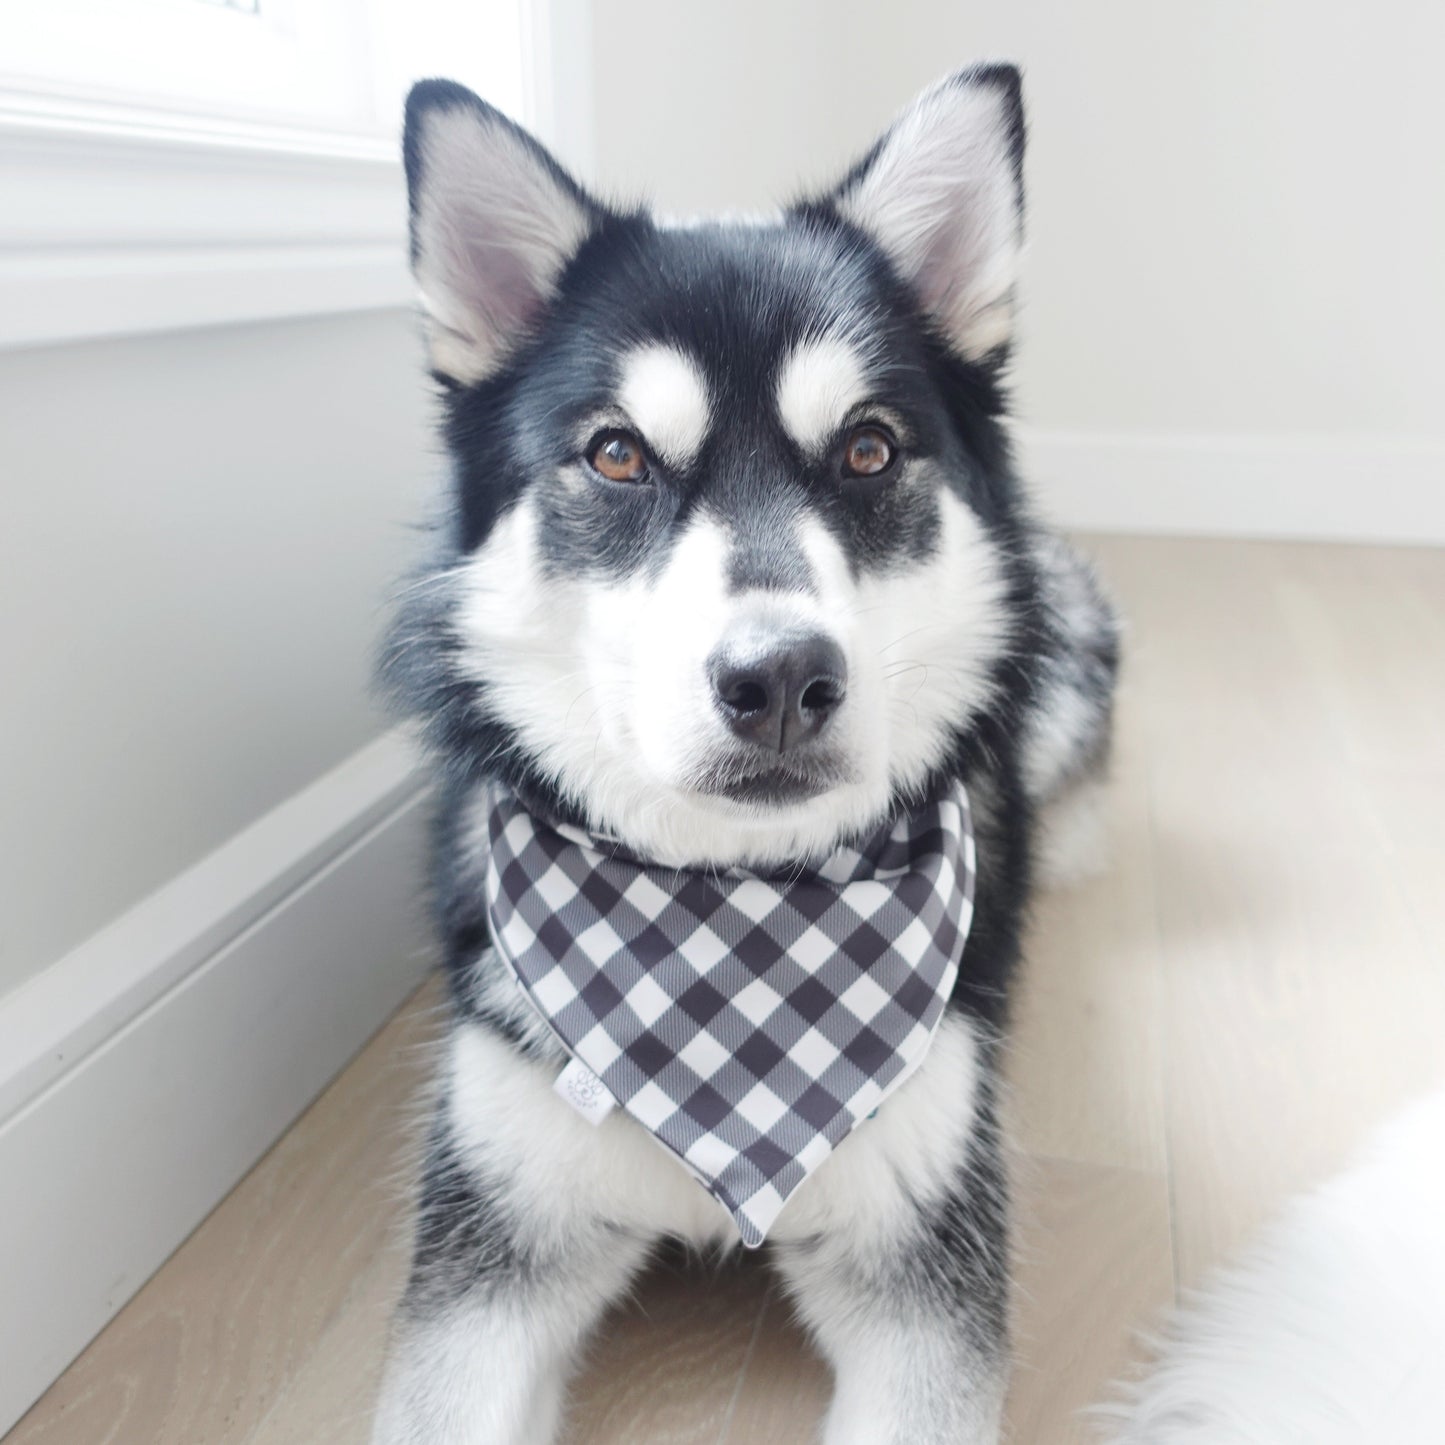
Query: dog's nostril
{"points": [[780, 695], [744, 695], [822, 695]]}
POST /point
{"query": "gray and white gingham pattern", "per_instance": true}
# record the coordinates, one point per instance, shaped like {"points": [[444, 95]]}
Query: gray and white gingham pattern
{"points": [[749, 1022]]}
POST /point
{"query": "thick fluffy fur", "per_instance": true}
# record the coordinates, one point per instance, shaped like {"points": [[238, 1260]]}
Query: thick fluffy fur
{"points": [[567, 637], [1331, 1330]]}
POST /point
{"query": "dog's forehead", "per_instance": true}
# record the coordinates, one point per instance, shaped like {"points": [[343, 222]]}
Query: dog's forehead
{"points": [[714, 322], [752, 285]]}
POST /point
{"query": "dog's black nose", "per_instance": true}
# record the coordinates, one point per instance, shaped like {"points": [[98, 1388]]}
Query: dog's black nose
{"points": [[782, 693]]}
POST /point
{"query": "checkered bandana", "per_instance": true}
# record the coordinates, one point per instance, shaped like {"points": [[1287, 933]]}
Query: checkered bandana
{"points": [[749, 1022]]}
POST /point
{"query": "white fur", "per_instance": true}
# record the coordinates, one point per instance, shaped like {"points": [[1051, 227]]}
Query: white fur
{"points": [[493, 231], [668, 221], [1061, 720], [586, 1203], [819, 383], [942, 200], [665, 396], [561, 1173], [1073, 840], [904, 1371], [607, 682], [906, 1153], [896, 1379], [494, 1370], [1331, 1331]]}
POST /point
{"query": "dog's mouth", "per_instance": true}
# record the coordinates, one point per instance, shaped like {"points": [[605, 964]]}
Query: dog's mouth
{"points": [[777, 783]]}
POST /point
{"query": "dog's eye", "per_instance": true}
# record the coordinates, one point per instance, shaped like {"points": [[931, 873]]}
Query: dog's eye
{"points": [[618, 455], [868, 452]]}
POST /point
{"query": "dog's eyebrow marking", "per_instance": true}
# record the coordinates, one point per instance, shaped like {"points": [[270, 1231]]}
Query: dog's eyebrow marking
{"points": [[819, 383], [664, 392]]}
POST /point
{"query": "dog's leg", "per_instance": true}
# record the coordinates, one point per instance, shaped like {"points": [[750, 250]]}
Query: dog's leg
{"points": [[914, 1320], [498, 1303]]}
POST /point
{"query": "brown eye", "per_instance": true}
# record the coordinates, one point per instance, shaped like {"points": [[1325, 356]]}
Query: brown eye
{"points": [[869, 452], [618, 455]]}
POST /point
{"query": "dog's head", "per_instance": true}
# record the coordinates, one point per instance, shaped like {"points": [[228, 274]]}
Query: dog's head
{"points": [[733, 517]]}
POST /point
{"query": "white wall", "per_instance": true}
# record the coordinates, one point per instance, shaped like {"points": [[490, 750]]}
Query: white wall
{"points": [[1232, 321], [1237, 220], [199, 532]]}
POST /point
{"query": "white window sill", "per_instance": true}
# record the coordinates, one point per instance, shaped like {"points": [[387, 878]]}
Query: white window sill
{"points": [[118, 221]]}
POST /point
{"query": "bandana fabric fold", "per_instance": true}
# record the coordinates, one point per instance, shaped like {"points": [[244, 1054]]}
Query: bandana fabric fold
{"points": [[748, 1022]]}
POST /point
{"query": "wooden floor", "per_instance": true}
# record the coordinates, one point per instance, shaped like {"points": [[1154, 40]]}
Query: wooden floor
{"points": [[1204, 1028]]}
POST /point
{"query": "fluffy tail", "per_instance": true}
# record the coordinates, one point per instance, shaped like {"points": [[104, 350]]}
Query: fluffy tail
{"points": [[1331, 1331]]}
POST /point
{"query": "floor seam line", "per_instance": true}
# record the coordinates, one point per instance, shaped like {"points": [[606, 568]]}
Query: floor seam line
{"points": [[727, 1423]]}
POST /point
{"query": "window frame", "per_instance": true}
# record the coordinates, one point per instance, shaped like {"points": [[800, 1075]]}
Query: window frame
{"points": [[124, 216]]}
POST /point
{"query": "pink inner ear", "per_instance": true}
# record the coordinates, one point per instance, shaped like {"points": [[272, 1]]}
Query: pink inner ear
{"points": [[500, 290], [489, 270], [495, 228], [954, 258], [942, 200]]}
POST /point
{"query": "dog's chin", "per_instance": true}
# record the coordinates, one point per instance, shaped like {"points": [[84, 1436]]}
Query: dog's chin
{"points": [[760, 786], [774, 788], [747, 810], [748, 818]]}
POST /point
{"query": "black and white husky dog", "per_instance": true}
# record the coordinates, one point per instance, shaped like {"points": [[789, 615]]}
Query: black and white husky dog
{"points": [[736, 566]]}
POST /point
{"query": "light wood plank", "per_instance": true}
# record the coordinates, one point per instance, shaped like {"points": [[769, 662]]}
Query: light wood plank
{"points": [[1201, 1030], [1094, 1265], [1085, 1049], [1370, 627], [666, 1368], [1094, 1262], [1302, 1001], [786, 1387], [332, 1391], [208, 1346]]}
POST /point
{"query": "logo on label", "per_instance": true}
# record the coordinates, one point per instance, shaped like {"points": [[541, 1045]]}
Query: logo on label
{"points": [[585, 1092]]}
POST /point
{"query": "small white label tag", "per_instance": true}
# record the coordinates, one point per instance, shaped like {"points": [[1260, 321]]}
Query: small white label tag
{"points": [[585, 1092]]}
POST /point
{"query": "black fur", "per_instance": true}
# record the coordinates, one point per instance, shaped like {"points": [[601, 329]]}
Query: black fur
{"points": [[737, 298]]}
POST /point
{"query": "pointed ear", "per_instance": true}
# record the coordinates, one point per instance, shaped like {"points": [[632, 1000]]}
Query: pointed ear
{"points": [[942, 194], [494, 220]]}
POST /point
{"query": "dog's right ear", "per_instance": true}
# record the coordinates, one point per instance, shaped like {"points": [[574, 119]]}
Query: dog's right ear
{"points": [[494, 220]]}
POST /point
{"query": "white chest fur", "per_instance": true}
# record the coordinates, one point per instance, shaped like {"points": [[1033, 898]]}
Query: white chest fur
{"points": [[564, 1173]]}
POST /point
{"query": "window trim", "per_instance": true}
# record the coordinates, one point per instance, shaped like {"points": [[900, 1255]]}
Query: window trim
{"points": [[123, 219]]}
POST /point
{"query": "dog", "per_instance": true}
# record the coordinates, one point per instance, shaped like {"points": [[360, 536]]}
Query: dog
{"points": [[1328, 1327], [734, 570]]}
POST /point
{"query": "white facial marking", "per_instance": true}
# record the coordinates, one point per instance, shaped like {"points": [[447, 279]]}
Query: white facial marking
{"points": [[921, 641], [818, 384], [752, 220], [664, 392], [606, 680]]}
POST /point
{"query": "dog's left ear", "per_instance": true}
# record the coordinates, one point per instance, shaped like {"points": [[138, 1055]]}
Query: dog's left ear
{"points": [[942, 194]]}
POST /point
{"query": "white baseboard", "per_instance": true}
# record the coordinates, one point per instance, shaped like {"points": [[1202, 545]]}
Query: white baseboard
{"points": [[1347, 488], [230, 997]]}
